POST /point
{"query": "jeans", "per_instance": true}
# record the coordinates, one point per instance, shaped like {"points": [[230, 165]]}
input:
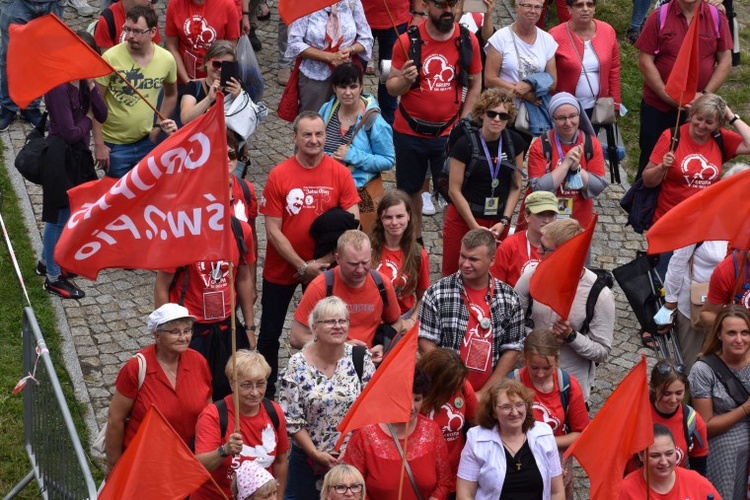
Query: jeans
{"points": [[413, 156], [52, 232], [303, 483], [123, 157], [640, 10], [19, 12], [281, 44], [274, 304], [386, 39]]}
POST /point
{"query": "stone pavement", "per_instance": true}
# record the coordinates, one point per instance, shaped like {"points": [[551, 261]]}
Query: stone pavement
{"points": [[103, 330]]}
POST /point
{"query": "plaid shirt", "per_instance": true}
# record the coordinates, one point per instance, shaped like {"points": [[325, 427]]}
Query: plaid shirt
{"points": [[444, 317]]}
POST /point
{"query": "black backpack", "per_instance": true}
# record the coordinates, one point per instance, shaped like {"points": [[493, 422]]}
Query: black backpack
{"points": [[30, 159], [465, 54]]}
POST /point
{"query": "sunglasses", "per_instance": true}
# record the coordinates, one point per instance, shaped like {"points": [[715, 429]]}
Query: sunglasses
{"points": [[445, 4], [665, 368], [216, 64], [232, 154], [497, 114]]}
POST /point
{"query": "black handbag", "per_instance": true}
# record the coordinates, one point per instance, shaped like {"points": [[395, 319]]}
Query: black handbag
{"points": [[640, 204], [29, 160]]}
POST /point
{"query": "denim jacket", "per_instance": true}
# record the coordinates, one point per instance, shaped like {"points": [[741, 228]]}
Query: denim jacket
{"points": [[539, 118]]}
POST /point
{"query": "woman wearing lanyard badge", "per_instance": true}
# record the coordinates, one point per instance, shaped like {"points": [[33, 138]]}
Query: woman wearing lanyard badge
{"points": [[574, 172], [486, 197]]}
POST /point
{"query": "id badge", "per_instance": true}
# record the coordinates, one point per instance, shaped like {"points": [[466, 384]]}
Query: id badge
{"points": [[478, 355], [190, 61], [213, 305], [491, 205], [564, 208]]}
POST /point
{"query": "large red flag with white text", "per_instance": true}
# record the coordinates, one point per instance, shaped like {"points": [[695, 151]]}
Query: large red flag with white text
{"points": [[45, 53], [170, 210], [714, 213], [555, 280]]}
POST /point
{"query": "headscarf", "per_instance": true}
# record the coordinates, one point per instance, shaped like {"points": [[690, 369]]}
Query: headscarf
{"points": [[562, 98]]}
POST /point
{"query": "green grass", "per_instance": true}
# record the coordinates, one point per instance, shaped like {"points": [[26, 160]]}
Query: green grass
{"points": [[14, 463]]}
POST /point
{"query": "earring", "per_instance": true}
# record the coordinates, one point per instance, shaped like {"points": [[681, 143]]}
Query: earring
{"points": [[315, 338]]}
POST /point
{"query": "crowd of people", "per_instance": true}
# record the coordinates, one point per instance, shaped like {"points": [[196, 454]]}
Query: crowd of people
{"points": [[502, 119]]}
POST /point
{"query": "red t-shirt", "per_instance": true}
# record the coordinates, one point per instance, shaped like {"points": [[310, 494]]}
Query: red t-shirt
{"points": [[689, 485], [198, 26], [366, 311], [548, 405], [451, 418], [696, 166], [377, 15], [180, 406], [101, 33], [260, 442], [664, 43], [675, 425], [476, 348], [583, 208], [389, 266], [512, 257], [435, 101], [243, 209], [724, 280], [298, 195], [207, 290]]}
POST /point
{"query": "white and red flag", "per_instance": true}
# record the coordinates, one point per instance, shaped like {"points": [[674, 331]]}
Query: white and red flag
{"points": [[170, 210]]}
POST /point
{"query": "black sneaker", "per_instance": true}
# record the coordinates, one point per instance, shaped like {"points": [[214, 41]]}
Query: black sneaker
{"points": [[6, 118], [33, 116], [254, 40], [63, 288], [632, 35], [41, 270]]}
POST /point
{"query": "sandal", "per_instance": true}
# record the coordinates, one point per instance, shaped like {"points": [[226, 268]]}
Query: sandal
{"points": [[263, 12], [648, 341]]}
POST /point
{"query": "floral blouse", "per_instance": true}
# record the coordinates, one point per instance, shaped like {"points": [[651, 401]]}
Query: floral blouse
{"points": [[313, 402]]}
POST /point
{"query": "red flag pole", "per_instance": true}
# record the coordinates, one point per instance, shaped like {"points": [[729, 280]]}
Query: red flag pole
{"points": [[403, 462], [395, 29]]}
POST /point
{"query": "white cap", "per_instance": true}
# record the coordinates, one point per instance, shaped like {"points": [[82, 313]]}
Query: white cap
{"points": [[167, 313]]}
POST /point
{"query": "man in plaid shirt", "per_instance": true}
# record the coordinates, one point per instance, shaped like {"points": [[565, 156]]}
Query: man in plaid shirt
{"points": [[474, 314]]}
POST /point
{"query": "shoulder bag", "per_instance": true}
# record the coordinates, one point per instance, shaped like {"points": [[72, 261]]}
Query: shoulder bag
{"points": [[522, 123], [406, 462], [698, 292]]}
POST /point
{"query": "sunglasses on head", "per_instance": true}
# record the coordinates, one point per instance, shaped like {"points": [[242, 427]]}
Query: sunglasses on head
{"points": [[665, 368], [497, 114], [445, 4]]}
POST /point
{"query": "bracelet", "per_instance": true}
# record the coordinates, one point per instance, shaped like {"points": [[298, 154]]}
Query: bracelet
{"points": [[250, 327], [245, 12], [734, 119], [505, 220], [743, 407], [302, 269]]}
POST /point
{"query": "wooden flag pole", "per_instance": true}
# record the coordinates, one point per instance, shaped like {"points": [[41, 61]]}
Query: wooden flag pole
{"points": [[161, 117], [403, 462], [677, 125], [648, 476], [395, 29], [233, 332], [218, 488]]}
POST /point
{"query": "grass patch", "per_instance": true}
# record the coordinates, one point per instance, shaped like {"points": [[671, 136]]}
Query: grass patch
{"points": [[14, 463]]}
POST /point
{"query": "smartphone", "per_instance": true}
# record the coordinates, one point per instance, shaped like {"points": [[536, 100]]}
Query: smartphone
{"points": [[475, 6], [229, 70]]}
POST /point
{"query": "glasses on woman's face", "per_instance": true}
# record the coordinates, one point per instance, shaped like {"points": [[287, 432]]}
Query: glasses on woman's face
{"points": [[177, 333], [231, 154], [581, 5], [497, 114], [341, 489], [531, 6], [665, 368], [563, 119], [507, 408], [330, 323]]}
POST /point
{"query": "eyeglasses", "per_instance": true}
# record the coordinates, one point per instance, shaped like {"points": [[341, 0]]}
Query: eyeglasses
{"points": [[231, 154], [580, 5], [546, 250], [563, 119], [333, 322], [249, 386], [665, 368], [497, 114], [178, 333], [531, 6], [519, 407], [216, 64], [341, 489], [135, 31], [445, 4]]}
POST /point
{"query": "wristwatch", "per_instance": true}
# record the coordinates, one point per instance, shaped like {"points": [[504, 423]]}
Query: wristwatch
{"points": [[570, 338], [249, 327], [734, 119], [222, 452]]}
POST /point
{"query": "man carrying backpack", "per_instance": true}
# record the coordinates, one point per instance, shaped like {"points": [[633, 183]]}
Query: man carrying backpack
{"points": [[438, 83]]}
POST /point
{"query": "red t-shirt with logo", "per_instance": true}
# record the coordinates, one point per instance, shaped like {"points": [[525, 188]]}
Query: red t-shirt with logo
{"points": [[696, 166], [724, 280], [435, 100], [451, 418], [101, 32], [260, 442], [476, 348], [548, 405], [512, 257], [688, 485], [207, 290], [198, 26], [366, 311], [389, 266], [298, 195]]}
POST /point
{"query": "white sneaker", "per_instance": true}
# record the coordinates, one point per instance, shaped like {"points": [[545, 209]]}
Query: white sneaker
{"points": [[427, 206], [83, 8]]}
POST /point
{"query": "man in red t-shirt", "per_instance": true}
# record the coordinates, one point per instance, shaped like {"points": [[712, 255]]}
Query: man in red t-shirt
{"points": [[431, 99], [730, 284], [353, 283], [297, 191], [522, 248], [107, 35]]}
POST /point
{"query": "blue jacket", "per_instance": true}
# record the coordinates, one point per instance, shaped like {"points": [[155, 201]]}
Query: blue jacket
{"points": [[371, 150], [539, 119]]}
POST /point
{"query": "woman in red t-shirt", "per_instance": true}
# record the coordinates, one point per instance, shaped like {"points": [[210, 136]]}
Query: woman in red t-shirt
{"points": [[450, 402], [396, 254], [562, 408]]}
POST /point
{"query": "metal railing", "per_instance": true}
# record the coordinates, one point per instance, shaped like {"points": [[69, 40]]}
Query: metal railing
{"points": [[58, 461]]}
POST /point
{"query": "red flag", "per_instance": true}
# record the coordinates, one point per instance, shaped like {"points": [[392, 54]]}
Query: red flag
{"points": [[555, 280], [291, 10], [714, 213], [621, 428], [682, 83], [387, 397], [157, 464], [169, 210], [45, 53]]}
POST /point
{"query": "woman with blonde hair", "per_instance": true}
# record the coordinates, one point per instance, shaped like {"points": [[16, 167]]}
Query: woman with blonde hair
{"points": [[343, 481]]}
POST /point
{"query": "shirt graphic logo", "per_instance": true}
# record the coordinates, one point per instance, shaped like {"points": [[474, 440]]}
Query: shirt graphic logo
{"points": [[698, 173], [199, 32], [438, 73]]}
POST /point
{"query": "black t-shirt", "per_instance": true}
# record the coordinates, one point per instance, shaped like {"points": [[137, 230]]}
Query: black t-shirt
{"points": [[194, 88], [522, 476], [478, 186]]}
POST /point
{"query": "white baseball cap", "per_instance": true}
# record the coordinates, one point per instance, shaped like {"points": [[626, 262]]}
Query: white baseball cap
{"points": [[167, 313]]}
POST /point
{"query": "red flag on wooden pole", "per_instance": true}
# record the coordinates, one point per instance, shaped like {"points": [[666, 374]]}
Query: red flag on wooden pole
{"points": [[682, 83], [387, 397], [555, 280], [45, 53], [714, 213], [291, 10], [621, 428]]}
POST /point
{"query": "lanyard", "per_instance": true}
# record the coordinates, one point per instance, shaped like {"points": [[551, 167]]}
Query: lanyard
{"points": [[484, 323], [528, 245], [494, 171], [559, 147]]}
